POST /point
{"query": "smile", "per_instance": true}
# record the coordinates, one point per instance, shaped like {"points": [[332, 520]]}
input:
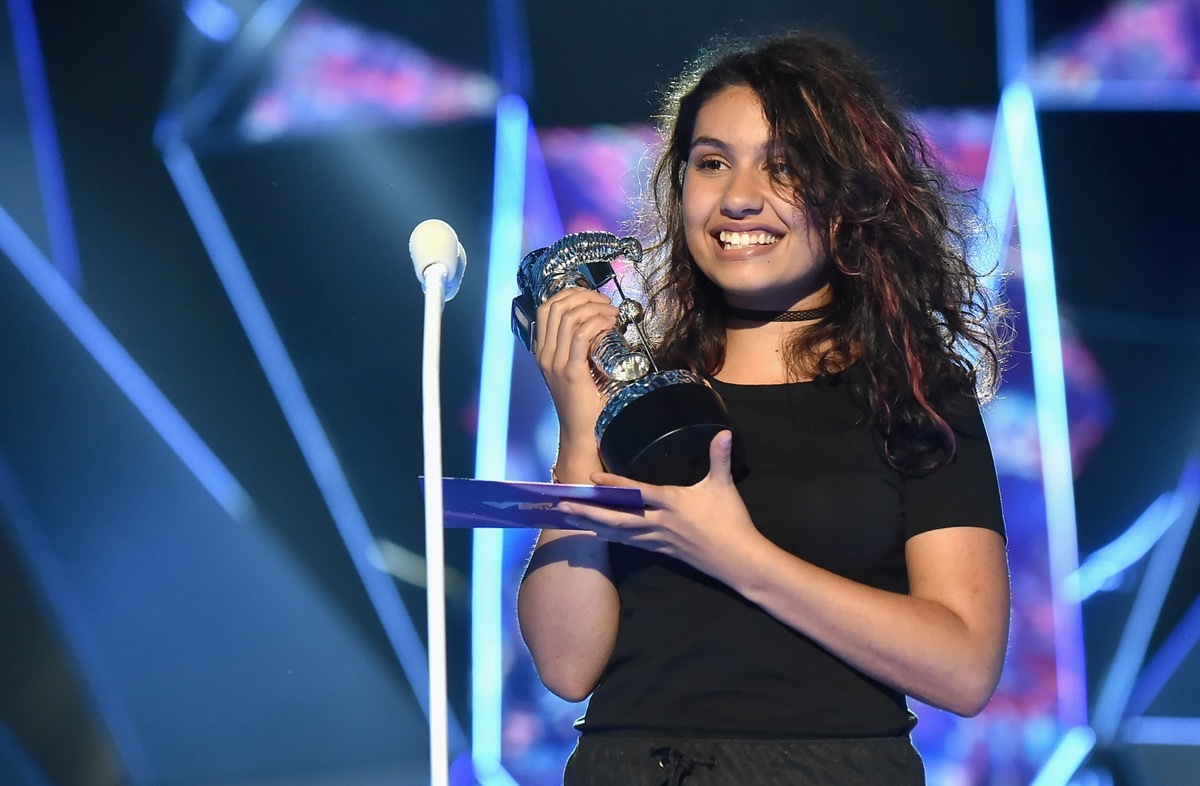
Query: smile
{"points": [[744, 239]]}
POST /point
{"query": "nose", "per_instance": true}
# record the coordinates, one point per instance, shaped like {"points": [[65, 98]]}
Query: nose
{"points": [[743, 195]]}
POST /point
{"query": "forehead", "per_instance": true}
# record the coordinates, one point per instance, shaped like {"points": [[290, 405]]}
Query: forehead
{"points": [[733, 115]]}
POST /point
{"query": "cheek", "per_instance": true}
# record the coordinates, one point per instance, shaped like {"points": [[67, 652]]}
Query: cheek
{"points": [[694, 233], [695, 216], [800, 226]]}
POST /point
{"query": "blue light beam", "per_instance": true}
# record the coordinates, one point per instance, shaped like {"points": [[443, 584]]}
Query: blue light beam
{"points": [[51, 178], [302, 418], [1072, 749], [491, 448], [124, 371], [1127, 662], [1019, 117], [54, 593]]}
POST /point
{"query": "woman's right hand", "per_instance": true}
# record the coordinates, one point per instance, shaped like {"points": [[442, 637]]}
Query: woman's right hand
{"points": [[567, 327], [567, 604]]}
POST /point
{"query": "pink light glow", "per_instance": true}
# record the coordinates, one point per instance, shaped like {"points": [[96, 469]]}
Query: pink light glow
{"points": [[328, 74]]}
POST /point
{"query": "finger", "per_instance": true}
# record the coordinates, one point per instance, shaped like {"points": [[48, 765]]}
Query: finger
{"points": [[567, 350], [601, 531], [598, 514], [653, 497], [572, 326], [610, 479], [580, 523], [637, 536], [584, 326], [720, 457], [570, 299], [556, 307]]}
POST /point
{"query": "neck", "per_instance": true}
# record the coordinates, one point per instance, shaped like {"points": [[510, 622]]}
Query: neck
{"points": [[813, 301], [755, 352], [793, 315], [756, 339]]}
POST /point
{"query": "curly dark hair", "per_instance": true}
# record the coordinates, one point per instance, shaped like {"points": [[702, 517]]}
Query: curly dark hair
{"points": [[907, 304]]}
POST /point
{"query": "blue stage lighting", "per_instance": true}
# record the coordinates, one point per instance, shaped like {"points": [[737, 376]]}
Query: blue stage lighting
{"points": [[212, 18]]}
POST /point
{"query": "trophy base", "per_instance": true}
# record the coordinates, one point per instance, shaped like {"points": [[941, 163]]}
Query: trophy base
{"points": [[663, 436]]}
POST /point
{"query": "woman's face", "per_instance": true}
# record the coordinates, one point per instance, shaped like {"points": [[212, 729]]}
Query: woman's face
{"points": [[751, 237]]}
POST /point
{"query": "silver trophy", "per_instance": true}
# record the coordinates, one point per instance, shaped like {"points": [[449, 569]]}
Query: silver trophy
{"points": [[655, 426]]}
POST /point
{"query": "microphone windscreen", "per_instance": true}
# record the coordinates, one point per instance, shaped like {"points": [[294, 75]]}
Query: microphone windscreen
{"points": [[435, 241]]}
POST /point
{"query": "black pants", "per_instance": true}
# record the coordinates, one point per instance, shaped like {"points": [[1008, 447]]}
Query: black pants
{"points": [[606, 760]]}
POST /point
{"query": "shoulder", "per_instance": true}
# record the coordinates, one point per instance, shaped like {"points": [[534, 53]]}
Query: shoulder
{"points": [[964, 490]]}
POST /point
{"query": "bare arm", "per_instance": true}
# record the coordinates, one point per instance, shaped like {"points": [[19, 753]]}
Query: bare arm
{"points": [[567, 605], [943, 642]]}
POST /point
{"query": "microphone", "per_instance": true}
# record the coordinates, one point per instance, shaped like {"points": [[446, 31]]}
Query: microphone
{"points": [[439, 260], [434, 242]]}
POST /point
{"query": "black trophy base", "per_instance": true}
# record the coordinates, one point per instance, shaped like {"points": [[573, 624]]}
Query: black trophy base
{"points": [[663, 436]]}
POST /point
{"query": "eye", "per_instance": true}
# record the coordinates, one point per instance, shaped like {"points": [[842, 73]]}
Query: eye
{"points": [[779, 167], [711, 164]]}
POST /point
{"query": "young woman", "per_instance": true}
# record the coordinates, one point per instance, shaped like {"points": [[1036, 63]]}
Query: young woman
{"points": [[812, 264]]}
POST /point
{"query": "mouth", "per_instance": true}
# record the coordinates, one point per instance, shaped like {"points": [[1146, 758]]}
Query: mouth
{"points": [[733, 240]]}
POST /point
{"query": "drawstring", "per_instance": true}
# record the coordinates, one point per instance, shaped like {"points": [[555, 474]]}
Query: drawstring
{"points": [[678, 764]]}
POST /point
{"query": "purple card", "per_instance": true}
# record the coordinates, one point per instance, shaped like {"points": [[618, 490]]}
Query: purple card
{"points": [[506, 503]]}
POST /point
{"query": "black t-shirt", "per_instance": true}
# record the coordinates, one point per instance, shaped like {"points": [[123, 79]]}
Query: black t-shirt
{"points": [[694, 658]]}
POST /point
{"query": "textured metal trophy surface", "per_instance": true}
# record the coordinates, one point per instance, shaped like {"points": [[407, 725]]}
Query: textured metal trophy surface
{"points": [[655, 426]]}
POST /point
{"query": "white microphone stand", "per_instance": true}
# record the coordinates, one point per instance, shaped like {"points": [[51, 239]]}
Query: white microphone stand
{"points": [[439, 260]]}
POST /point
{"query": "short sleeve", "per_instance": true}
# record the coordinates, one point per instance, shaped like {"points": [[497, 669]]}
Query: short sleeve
{"points": [[963, 492]]}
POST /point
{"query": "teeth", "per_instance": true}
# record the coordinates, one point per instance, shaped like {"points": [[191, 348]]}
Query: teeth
{"points": [[742, 239]]}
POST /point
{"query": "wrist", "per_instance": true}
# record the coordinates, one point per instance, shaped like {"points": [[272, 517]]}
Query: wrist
{"points": [[575, 467]]}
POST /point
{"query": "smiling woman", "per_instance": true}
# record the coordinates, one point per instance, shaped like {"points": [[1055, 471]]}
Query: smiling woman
{"points": [[748, 234], [766, 628]]}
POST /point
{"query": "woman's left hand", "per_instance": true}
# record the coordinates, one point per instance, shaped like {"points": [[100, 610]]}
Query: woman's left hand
{"points": [[702, 525]]}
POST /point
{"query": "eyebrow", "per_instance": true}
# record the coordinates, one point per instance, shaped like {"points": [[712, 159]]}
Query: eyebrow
{"points": [[710, 141]]}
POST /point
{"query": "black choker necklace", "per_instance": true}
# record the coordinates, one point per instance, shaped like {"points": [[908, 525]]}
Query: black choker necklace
{"points": [[753, 315]]}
